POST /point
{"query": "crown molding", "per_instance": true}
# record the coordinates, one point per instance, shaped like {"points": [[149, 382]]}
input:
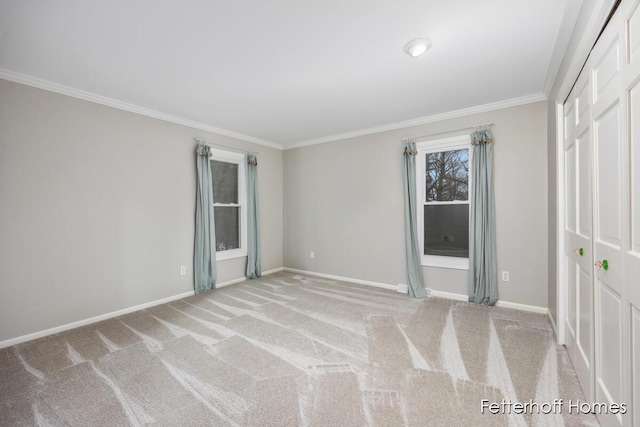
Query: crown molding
{"points": [[567, 26], [125, 106], [581, 53], [513, 102]]}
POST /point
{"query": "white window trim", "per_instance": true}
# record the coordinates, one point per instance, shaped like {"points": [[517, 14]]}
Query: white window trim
{"points": [[239, 159], [434, 146]]}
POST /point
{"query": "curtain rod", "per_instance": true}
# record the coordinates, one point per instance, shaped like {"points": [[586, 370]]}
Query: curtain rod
{"points": [[204, 141], [482, 126]]}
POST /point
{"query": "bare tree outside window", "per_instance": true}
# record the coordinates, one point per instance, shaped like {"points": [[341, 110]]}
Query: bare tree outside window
{"points": [[447, 176], [226, 209], [446, 203]]}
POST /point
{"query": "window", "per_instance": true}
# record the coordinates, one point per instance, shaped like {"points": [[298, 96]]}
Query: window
{"points": [[443, 185], [229, 204]]}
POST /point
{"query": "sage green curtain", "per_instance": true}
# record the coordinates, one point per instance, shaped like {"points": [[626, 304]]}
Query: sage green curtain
{"points": [[483, 276], [253, 223], [204, 264], [415, 280]]}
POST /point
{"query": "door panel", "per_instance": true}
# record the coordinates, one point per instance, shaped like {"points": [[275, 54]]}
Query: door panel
{"points": [[570, 169], [585, 311], [633, 34], [572, 282], [569, 118], [578, 232], [583, 202], [605, 72], [582, 106], [608, 116], [609, 355], [634, 156], [635, 364], [632, 250], [584, 189], [607, 140]]}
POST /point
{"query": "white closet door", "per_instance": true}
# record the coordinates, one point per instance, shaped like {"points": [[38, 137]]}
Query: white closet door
{"points": [[608, 119], [631, 83], [578, 254]]}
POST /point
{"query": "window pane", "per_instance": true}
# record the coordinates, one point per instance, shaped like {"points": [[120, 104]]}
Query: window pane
{"points": [[227, 228], [447, 176], [225, 182], [446, 230]]}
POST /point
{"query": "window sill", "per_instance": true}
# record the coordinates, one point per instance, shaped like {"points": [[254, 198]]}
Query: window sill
{"points": [[445, 262], [231, 254]]}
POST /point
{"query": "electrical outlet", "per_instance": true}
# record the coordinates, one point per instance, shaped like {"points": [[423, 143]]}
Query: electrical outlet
{"points": [[505, 276], [183, 271], [402, 288], [312, 254]]}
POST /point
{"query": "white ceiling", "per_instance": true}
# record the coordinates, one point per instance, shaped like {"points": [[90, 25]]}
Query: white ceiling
{"points": [[285, 71]]}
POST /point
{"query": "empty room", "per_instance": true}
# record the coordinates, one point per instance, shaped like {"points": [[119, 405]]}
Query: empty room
{"points": [[337, 213]]}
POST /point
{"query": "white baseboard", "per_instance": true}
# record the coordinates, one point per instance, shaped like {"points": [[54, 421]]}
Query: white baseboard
{"points": [[500, 303], [242, 279], [403, 289], [553, 323], [449, 295], [344, 279], [230, 282], [84, 322], [441, 294], [90, 320], [522, 307]]}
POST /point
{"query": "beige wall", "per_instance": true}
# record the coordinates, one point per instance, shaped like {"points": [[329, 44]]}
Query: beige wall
{"points": [[97, 209], [343, 200]]}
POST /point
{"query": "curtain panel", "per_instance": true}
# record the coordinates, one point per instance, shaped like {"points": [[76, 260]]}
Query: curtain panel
{"points": [[253, 224], [204, 268], [483, 275], [415, 279]]}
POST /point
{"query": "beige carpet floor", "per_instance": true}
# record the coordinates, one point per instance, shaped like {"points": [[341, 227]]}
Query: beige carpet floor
{"points": [[291, 350]]}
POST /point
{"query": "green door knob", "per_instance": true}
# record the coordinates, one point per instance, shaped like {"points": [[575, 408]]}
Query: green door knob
{"points": [[605, 264]]}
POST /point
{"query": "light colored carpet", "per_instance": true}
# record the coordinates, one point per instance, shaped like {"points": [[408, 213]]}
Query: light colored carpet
{"points": [[289, 350]]}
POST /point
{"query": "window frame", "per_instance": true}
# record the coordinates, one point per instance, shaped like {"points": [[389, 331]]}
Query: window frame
{"points": [[239, 159], [436, 146]]}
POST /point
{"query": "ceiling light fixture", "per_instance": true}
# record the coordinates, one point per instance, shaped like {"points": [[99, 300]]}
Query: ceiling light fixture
{"points": [[417, 47]]}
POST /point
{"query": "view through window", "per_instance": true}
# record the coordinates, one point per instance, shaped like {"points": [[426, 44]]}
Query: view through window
{"points": [[228, 202], [443, 188], [446, 203]]}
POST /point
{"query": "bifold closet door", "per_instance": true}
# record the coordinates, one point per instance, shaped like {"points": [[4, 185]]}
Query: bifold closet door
{"points": [[578, 258], [631, 83], [602, 222], [610, 227]]}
